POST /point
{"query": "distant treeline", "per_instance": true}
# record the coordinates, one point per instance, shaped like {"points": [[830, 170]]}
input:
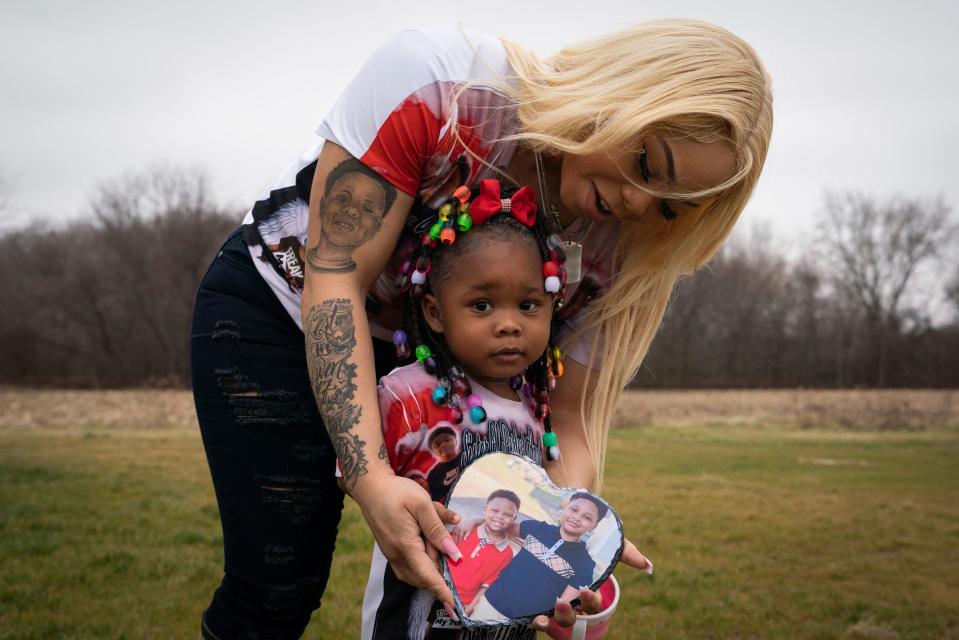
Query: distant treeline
{"points": [[106, 301]]}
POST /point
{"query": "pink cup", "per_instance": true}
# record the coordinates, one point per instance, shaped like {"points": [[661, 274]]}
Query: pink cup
{"points": [[590, 627]]}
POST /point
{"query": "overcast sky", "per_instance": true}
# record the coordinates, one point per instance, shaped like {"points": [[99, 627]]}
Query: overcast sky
{"points": [[865, 92]]}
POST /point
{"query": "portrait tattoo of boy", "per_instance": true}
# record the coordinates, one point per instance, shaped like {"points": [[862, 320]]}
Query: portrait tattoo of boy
{"points": [[329, 347], [355, 201]]}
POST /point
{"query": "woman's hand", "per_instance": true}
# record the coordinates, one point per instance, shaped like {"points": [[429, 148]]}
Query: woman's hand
{"points": [[633, 558], [564, 615], [591, 602], [397, 511]]}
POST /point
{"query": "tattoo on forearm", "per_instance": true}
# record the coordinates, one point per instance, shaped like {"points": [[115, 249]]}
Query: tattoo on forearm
{"points": [[382, 454], [329, 347], [354, 203]]}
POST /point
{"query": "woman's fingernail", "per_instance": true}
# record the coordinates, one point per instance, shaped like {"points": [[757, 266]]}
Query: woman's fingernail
{"points": [[450, 550], [450, 612], [456, 519], [562, 604]]}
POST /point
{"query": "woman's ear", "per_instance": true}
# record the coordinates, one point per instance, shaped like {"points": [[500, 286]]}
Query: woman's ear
{"points": [[431, 313]]}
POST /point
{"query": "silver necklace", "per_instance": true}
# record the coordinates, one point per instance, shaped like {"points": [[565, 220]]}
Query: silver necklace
{"points": [[572, 236]]}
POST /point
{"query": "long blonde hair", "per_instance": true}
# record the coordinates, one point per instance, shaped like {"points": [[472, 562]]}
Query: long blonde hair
{"points": [[683, 78]]}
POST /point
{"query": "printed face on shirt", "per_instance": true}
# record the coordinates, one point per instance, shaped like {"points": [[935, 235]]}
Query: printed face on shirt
{"points": [[579, 517], [601, 186], [492, 310], [352, 210], [499, 515], [444, 447]]}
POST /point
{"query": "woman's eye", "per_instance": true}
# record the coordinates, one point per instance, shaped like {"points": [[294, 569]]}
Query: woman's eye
{"points": [[643, 162], [482, 306], [667, 210]]}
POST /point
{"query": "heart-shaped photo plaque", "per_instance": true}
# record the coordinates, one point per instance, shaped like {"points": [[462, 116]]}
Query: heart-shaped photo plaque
{"points": [[525, 541]]}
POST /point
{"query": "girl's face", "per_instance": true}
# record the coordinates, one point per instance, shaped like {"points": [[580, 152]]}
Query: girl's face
{"points": [[595, 185], [492, 309]]}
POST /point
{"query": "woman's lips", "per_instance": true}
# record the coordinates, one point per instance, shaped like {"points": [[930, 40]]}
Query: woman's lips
{"points": [[591, 205]]}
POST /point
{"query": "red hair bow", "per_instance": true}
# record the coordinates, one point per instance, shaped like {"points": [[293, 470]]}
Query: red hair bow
{"points": [[522, 205]]}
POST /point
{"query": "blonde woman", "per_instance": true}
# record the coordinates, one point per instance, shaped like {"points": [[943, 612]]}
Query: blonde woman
{"points": [[644, 146]]}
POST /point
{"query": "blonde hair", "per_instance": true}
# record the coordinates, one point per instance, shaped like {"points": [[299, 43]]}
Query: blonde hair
{"points": [[680, 78]]}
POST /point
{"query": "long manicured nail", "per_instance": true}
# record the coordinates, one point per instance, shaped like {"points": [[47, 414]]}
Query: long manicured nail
{"points": [[449, 548], [450, 612]]}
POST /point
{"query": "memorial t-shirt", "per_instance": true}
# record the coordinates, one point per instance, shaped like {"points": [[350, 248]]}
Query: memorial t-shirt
{"points": [[397, 117]]}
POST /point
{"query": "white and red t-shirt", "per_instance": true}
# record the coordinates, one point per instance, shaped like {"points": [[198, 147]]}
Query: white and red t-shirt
{"points": [[411, 421], [396, 117]]}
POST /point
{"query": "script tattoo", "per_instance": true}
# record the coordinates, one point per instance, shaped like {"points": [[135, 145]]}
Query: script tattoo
{"points": [[329, 347], [351, 212]]}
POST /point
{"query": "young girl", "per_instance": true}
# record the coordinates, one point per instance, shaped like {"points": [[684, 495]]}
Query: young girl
{"points": [[481, 284], [481, 287]]}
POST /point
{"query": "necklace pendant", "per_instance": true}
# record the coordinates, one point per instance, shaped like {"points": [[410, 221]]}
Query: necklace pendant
{"points": [[574, 261]]}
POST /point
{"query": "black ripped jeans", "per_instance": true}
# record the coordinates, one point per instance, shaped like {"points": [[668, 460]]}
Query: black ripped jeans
{"points": [[270, 456]]}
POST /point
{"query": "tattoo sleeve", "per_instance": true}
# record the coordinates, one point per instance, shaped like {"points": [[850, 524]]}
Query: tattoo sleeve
{"points": [[329, 347], [351, 212]]}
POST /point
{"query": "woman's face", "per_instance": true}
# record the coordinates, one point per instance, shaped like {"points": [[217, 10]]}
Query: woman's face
{"points": [[595, 186]]}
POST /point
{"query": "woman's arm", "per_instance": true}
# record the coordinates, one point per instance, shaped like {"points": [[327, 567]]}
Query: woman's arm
{"points": [[575, 467], [356, 218]]}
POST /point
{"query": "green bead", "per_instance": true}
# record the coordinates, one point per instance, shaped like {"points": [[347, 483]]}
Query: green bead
{"points": [[464, 222], [422, 352], [549, 439], [436, 230]]}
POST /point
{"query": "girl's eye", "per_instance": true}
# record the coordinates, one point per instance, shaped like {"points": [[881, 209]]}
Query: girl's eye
{"points": [[482, 306], [643, 162], [528, 305]]}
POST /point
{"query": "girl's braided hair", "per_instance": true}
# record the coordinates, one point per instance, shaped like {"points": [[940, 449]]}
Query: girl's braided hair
{"points": [[430, 262]]}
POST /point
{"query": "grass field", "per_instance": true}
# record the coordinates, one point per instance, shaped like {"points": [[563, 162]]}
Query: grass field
{"points": [[108, 527]]}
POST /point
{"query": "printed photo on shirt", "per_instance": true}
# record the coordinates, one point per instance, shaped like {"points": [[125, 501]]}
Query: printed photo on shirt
{"points": [[525, 541]]}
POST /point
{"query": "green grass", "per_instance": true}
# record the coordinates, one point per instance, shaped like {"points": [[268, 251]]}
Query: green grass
{"points": [[114, 534]]}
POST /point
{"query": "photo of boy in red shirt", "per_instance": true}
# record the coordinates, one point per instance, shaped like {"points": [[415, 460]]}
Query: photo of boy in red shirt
{"points": [[486, 549]]}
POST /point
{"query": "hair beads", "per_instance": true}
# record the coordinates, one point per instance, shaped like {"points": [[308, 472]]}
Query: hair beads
{"points": [[464, 211]]}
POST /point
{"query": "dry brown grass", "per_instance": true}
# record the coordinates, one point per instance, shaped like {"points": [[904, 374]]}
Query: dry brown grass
{"points": [[887, 410], [43, 409]]}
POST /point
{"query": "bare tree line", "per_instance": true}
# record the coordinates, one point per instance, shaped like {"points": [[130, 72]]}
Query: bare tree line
{"points": [[853, 312], [106, 301]]}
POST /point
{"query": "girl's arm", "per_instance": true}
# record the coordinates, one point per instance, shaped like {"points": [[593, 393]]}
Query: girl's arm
{"points": [[357, 219]]}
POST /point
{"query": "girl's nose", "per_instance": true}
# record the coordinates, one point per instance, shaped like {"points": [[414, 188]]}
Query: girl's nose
{"points": [[507, 325]]}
